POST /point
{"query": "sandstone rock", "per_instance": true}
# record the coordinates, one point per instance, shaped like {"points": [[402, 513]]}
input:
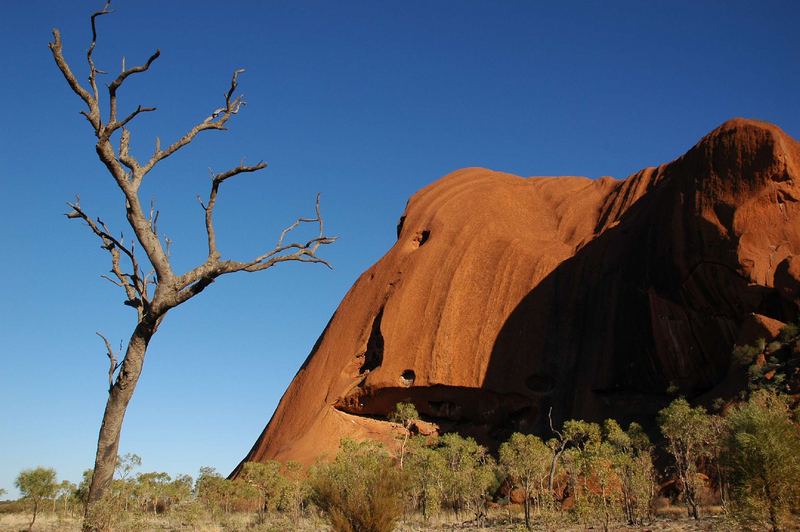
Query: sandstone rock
{"points": [[505, 297]]}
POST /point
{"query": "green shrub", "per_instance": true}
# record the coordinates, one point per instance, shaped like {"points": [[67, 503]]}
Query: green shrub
{"points": [[361, 490]]}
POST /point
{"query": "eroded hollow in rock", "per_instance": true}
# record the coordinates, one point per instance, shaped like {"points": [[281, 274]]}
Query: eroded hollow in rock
{"points": [[373, 355], [407, 377], [420, 238], [400, 225], [472, 411], [539, 384]]}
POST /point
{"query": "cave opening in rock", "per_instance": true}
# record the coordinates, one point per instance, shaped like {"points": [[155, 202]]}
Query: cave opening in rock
{"points": [[373, 356], [407, 377], [420, 238]]}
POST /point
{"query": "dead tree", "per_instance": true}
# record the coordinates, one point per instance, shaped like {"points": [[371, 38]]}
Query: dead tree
{"points": [[152, 288]]}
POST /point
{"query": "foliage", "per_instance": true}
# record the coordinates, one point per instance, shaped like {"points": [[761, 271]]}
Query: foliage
{"points": [[761, 451], [82, 493], [526, 461], [65, 494], [689, 436], [126, 464], [215, 492], [296, 491], [266, 478], [633, 462], [594, 483], [404, 414], [361, 490], [470, 474], [606, 477], [426, 474], [774, 365], [36, 485]]}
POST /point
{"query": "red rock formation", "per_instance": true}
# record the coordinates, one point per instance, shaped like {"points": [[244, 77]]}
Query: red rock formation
{"points": [[507, 296]]}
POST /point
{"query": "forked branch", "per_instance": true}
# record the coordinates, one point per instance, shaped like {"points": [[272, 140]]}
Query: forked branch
{"points": [[216, 181], [134, 284], [215, 120], [195, 281], [306, 252], [113, 365], [113, 125]]}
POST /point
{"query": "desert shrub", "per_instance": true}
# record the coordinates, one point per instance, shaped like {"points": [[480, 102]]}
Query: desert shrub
{"points": [[404, 414], [595, 483], [689, 436], [187, 513], [218, 494], [295, 492], [426, 474], [361, 490], [36, 485], [761, 454], [526, 461], [267, 480], [470, 474], [109, 514], [633, 462]]}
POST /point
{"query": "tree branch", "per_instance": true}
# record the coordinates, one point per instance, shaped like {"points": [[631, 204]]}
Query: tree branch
{"points": [[304, 252], [124, 154], [112, 92], [215, 120], [58, 55], [113, 365], [116, 125], [216, 181], [134, 285], [195, 281], [92, 69]]}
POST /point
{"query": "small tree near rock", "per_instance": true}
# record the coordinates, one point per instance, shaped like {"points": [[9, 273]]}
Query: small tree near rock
{"points": [[526, 460], [688, 434], [404, 414], [761, 452], [36, 485]]}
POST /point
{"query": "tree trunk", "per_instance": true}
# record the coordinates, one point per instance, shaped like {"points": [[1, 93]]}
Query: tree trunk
{"points": [[118, 398], [551, 477], [403, 446], [773, 512], [35, 511], [527, 510]]}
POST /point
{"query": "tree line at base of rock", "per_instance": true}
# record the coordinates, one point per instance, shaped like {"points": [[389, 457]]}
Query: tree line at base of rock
{"points": [[744, 459]]}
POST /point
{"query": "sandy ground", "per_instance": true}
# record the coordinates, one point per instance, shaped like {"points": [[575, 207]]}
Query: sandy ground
{"points": [[244, 523]]}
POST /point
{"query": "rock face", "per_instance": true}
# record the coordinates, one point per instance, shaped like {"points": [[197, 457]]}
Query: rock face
{"points": [[505, 297]]}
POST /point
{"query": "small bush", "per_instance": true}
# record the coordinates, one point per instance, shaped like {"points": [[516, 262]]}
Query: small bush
{"points": [[360, 491]]}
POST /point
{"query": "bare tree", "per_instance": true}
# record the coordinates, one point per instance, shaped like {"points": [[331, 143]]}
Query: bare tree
{"points": [[152, 288]]}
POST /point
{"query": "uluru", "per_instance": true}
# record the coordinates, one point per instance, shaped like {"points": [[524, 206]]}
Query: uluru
{"points": [[507, 300]]}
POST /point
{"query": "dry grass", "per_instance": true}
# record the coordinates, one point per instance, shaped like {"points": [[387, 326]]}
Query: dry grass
{"points": [[504, 519], [244, 522], [45, 522]]}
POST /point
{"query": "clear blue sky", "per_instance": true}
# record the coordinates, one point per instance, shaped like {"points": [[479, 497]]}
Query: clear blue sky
{"points": [[365, 102]]}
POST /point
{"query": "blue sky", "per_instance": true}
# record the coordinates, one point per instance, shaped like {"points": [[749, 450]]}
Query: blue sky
{"points": [[364, 102]]}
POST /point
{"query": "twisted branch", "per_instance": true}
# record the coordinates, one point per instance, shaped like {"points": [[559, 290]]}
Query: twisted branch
{"points": [[134, 284], [216, 120], [113, 365]]}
